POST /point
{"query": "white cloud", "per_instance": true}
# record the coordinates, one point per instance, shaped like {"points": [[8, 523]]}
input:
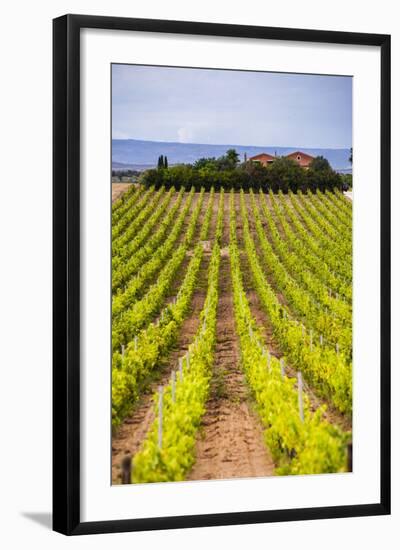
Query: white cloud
{"points": [[116, 134], [185, 135]]}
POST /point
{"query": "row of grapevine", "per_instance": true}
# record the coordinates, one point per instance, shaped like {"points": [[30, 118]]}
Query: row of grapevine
{"points": [[342, 202], [340, 254], [168, 450], [147, 349], [144, 353], [303, 265], [327, 370], [128, 250], [125, 202], [298, 246], [131, 320], [344, 217], [312, 314], [297, 265], [207, 218], [220, 219], [135, 207], [300, 441], [135, 219], [314, 237], [156, 247], [337, 230]]}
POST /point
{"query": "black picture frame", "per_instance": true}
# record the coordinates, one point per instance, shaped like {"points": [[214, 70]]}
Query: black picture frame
{"points": [[66, 273]]}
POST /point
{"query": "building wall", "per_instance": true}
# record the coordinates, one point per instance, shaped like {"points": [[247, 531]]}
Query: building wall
{"points": [[303, 161], [263, 159]]}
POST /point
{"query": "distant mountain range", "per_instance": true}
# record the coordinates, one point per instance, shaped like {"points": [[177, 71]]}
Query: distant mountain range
{"points": [[139, 154]]}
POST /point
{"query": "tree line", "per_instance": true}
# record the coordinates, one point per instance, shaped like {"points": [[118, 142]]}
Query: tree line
{"points": [[125, 173], [228, 172]]}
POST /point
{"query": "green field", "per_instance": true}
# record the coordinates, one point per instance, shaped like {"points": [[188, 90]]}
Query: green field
{"points": [[231, 334]]}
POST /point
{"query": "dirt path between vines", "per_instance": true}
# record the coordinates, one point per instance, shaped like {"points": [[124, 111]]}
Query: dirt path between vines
{"points": [[230, 444]]}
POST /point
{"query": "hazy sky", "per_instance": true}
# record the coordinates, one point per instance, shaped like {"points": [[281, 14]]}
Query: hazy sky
{"points": [[231, 107]]}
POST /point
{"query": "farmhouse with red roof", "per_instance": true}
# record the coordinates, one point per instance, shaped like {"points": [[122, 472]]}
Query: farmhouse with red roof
{"points": [[303, 159]]}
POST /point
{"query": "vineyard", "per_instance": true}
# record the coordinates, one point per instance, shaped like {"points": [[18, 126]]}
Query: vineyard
{"points": [[231, 334]]}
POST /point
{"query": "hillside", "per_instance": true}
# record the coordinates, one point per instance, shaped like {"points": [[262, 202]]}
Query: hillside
{"points": [[141, 154]]}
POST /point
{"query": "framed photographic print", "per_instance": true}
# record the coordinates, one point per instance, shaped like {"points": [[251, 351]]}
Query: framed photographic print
{"points": [[221, 274]]}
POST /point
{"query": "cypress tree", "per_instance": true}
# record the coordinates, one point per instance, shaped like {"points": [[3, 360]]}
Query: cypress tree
{"points": [[160, 162], [165, 162]]}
